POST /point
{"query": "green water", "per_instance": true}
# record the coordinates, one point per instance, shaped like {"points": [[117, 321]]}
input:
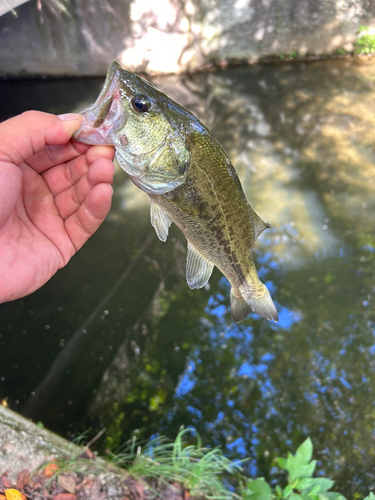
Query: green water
{"points": [[117, 339]]}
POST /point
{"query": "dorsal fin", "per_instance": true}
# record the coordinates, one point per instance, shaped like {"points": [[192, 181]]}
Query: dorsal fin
{"points": [[160, 221], [259, 224], [198, 269]]}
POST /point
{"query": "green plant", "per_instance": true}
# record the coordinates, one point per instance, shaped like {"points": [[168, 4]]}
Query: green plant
{"points": [[366, 42], [301, 485], [198, 469]]}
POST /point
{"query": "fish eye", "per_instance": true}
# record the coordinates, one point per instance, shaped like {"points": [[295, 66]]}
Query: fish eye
{"points": [[140, 103]]}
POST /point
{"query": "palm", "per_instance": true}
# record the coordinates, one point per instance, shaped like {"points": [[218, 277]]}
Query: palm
{"points": [[53, 202]]}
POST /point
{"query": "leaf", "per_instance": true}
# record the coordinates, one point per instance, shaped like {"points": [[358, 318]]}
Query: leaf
{"points": [[68, 483], [298, 470], [279, 491], [281, 462], [294, 496], [287, 491], [306, 483], [304, 452], [51, 469], [7, 483], [314, 485], [257, 489], [23, 479], [65, 496], [371, 496], [14, 495], [334, 495]]}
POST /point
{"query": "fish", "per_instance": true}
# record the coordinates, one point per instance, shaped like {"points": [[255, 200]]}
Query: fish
{"points": [[169, 154]]}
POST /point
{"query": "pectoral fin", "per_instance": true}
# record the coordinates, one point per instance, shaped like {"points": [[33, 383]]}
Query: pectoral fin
{"points": [[160, 221], [198, 269], [259, 224]]}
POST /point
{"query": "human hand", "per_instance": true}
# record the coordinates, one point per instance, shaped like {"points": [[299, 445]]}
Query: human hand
{"points": [[54, 194]]}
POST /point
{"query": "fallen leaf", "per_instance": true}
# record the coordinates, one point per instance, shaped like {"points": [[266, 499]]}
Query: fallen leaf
{"points": [[65, 496], [136, 488], [7, 483], [14, 495], [2, 497], [23, 479], [68, 483], [95, 490], [86, 480], [87, 487], [51, 469]]}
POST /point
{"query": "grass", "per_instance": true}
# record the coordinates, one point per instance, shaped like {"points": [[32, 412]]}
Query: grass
{"points": [[197, 469]]}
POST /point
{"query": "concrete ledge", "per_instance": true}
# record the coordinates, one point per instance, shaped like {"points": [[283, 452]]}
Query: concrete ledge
{"points": [[24, 445], [171, 36]]}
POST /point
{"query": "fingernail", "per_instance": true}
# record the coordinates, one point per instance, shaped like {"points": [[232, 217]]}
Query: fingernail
{"points": [[69, 116]]}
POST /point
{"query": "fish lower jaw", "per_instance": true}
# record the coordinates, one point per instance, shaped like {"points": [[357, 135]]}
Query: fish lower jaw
{"points": [[90, 135]]}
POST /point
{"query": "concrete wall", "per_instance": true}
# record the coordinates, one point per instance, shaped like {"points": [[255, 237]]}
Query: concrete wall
{"points": [[171, 35]]}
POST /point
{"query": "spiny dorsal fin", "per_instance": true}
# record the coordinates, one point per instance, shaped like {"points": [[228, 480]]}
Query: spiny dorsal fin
{"points": [[198, 269], [160, 221], [259, 224]]}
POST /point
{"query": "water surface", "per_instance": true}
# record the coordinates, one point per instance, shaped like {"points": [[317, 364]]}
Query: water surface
{"points": [[117, 339]]}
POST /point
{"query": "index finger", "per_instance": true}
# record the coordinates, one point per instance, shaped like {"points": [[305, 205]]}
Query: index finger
{"points": [[51, 156], [28, 134]]}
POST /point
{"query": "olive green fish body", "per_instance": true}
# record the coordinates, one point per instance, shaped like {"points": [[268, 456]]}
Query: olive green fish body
{"points": [[169, 154], [220, 227]]}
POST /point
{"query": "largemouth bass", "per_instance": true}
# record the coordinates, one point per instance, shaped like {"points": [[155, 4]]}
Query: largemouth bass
{"points": [[169, 154]]}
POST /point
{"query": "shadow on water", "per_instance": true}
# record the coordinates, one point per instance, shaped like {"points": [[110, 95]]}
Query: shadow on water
{"points": [[117, 339]]}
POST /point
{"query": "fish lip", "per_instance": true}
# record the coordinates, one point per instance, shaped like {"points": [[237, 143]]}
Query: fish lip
{"points": [[93, 129]]}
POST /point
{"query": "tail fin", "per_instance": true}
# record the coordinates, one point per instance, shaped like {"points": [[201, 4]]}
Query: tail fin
{"points": [[264, 306]]}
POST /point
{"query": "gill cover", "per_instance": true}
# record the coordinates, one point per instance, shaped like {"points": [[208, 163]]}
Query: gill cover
{"points": [[128, 115]]}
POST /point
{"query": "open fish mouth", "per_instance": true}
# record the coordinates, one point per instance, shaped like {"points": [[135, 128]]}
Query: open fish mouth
{"points": [[106, 115]]}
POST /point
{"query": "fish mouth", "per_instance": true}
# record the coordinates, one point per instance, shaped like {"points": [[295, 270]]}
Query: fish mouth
{"points": [[104, 116]]}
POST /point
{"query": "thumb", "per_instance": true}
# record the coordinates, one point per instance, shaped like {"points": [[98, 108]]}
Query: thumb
{"points": [[25, 135]]}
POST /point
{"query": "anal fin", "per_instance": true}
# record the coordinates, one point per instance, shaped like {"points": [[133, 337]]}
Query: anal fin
{"points": [[198, 269], [160, 221]]}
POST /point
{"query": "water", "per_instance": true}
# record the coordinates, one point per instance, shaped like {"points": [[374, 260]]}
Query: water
{"points": [[117, 339]]}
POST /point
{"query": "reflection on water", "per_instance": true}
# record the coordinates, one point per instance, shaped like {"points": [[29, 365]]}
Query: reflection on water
{"points": [[117, 339]]}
